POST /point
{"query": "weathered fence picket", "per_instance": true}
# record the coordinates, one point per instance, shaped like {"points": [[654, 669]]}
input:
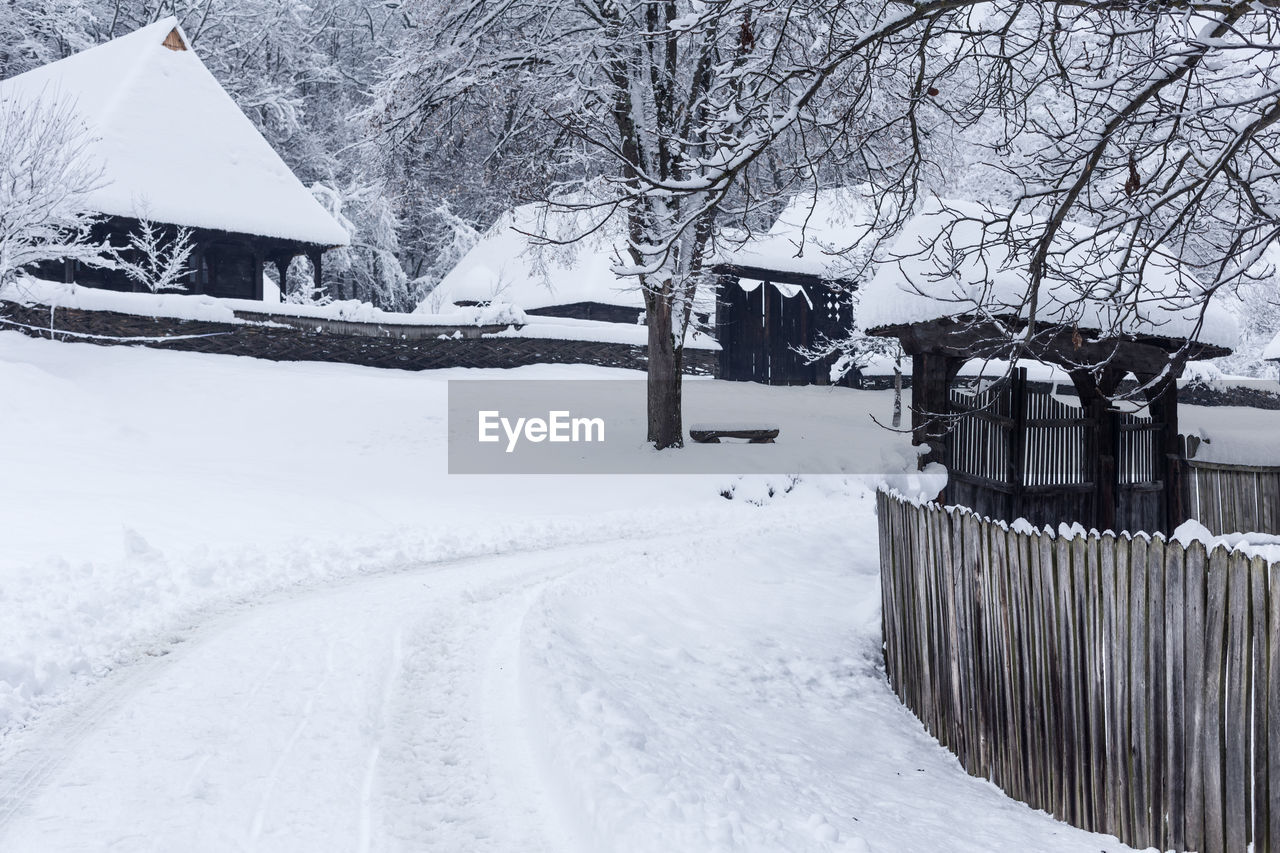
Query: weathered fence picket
{"points": [[1233, 498], [1129, 685]]}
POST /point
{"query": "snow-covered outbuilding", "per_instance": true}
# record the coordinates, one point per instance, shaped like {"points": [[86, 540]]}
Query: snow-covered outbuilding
{"points": [[548, 260], [1271, 352], [173, 149], [787, 289], [953, 287]]}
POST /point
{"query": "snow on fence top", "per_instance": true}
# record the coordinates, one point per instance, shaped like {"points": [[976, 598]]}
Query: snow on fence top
{"points": [[171, 143], [827, 233], [955, 257]]}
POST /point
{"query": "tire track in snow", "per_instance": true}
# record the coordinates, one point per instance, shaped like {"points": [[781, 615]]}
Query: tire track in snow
{"points": [[489, 596], [483, 593], [375, 752], [260, 815]]}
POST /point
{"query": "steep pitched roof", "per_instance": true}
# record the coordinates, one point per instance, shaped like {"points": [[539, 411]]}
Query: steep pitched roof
{"points": [[172, 144], [509, 265], [955, 257], [826, 233]]}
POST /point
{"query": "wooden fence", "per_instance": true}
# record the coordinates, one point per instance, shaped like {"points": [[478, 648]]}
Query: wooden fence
{"points": [[1125, 684], [1234, 498]]}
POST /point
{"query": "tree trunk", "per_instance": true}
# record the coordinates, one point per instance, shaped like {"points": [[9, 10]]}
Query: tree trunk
{"points": [[897, 394], [666, 427]]}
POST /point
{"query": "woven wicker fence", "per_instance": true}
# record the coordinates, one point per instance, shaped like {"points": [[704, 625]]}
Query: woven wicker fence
{"points": [[296, 344]]}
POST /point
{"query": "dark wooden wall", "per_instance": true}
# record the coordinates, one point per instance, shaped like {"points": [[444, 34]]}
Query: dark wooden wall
{"points": [[760, 331], [223, 263], [590, 311]]}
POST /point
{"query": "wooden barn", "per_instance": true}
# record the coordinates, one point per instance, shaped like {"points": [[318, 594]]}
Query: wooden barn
{"points": [[175, 150], [520, 261], [789, 289]]}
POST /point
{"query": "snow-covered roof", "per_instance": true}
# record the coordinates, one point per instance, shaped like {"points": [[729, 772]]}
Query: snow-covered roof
{"points": [[1272, 350], [827, 233], [509, 265], [934, 269], [172, 144]]}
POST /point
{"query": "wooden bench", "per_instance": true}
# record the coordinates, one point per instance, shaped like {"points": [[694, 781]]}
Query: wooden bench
{"points": [[753, 433]]}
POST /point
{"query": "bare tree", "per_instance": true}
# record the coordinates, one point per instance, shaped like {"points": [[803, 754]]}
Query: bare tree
{"points": [[665, 107], [46, 175]]}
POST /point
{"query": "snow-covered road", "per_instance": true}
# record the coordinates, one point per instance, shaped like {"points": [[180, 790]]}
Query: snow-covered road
{"points": [[638, 695], [374, 715]]}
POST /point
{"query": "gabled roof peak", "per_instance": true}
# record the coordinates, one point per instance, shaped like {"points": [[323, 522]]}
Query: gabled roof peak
{"points": [[174, 41]]}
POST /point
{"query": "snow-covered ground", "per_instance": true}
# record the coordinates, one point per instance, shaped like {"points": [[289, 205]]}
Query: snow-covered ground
{"points": [[242, 606]]}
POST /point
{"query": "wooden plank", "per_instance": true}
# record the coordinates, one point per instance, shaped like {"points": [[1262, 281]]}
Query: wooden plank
{"points": [[927, 604], [1259, 678], [944, 650], [1001, 732], [1175, 751], [1272, 733], [1157, 712], [1028, 769], [920, 606], [1122, 719], [1095, 685], [1051, 669], [1193, 626], [1236, 716], [952, 652], [1069, 741], [1215, 650], [1140, 765], [976, 762], [1115, 780], [1083, 682]]}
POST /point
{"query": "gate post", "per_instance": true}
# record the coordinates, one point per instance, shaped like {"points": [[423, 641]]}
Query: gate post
{"points": [[1017, 440], [1108, 420]]}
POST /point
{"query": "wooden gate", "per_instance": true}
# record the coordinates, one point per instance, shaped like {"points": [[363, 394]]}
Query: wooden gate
{"points": [[1016, 451]]}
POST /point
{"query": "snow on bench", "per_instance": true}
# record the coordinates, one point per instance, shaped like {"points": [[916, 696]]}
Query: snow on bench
{"points": [[753, 433]]}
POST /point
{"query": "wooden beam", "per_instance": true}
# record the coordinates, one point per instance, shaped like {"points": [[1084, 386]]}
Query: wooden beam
{"points": [[1066, 346], [316, 256], [782, 276]]}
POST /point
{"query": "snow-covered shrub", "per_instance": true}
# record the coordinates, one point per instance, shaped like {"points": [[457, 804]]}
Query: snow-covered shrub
{"points": [[156, 256]]}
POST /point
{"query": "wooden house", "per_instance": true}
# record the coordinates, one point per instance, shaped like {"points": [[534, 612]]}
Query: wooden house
{"points": [[785, 291], [549, 261], [174, 149]]}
